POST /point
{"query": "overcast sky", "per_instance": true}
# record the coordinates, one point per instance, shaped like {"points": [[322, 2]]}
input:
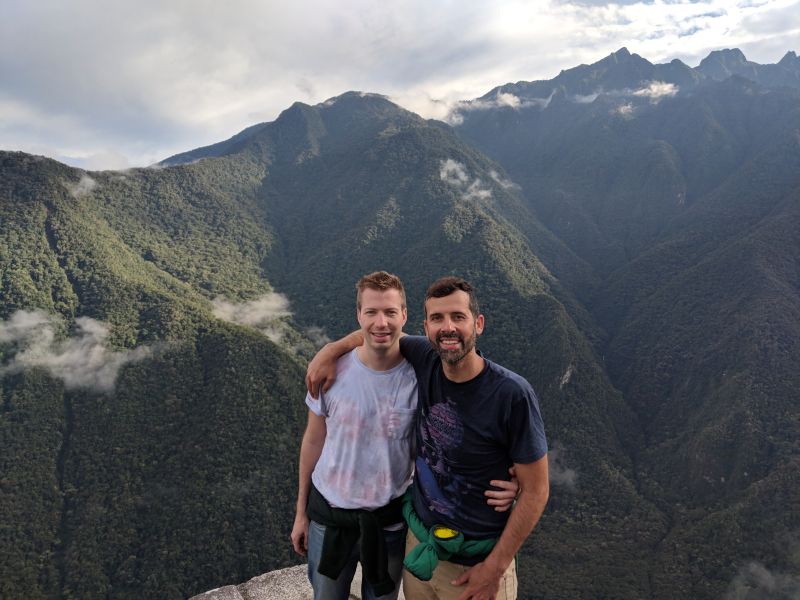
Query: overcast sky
{"points": [[123, 83]]}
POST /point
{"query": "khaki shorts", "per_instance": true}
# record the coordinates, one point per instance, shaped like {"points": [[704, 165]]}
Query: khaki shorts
{"points": [[439, 587]]}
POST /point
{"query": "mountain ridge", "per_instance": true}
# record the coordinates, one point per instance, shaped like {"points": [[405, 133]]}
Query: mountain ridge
{"points": [[636, 257]]}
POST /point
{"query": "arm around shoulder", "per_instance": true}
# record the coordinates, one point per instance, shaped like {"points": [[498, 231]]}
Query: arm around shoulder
{"points": [[321, 371]]}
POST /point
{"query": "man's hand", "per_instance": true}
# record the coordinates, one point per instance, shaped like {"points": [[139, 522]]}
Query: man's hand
{"points": [[483, 581], [300, 534], [503, 499], [321, 372]]}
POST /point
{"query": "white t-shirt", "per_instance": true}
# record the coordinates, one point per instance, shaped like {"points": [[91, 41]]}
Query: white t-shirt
{"points": [[367, 457]]}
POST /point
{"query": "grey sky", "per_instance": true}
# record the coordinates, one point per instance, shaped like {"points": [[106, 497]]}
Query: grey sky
{"points": [[115, 83]]}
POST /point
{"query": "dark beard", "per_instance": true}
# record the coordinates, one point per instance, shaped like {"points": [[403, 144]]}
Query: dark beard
{"points": [[453, 357]]}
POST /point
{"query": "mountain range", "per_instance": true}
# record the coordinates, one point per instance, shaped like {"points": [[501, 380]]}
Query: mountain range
{"points": [[632, 230]]}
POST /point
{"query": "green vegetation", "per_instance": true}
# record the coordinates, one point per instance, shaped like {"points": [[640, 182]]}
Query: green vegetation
{"points": [[641, 271]]}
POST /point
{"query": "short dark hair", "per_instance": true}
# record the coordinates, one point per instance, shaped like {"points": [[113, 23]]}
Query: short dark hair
{"points": [[444, 286], [380, 281]]}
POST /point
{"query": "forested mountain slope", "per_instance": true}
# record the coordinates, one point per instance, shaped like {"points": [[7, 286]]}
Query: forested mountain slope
{"points": [[684, 198], [138, 430], [631, 228]]}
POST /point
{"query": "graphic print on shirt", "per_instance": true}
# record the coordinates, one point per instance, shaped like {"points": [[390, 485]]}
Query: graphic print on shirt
{"points": [[442, 432]]}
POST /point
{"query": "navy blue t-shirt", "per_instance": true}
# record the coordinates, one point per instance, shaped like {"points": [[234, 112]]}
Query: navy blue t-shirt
{"points": [[468, 434]]}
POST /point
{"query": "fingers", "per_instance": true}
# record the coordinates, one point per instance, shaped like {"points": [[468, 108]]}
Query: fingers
{"points": [[312, 386], [300, 541], [505, 487], [296, 544], [461, 579]]}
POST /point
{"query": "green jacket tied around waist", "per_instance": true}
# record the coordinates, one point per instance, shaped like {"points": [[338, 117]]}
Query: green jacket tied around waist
{"points": [[422, 560]]}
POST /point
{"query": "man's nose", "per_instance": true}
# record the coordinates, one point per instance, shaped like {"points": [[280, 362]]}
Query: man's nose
{"points": [[380, 320], [448, 324]]}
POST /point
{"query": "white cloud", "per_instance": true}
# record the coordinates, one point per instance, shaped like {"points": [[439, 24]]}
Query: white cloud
{"points": [[560, 474], [506, 184], [455, 174], [584, 99], [149, 79], [656, 90], [317, 336], [263, 314], [80, 361], [755, 582], [624, 110], [500, 100], [84, 186]]}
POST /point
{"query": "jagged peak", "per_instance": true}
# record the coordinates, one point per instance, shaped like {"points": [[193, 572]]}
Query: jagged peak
{"points": [[620, 56], [726, 55], [788, 58]]}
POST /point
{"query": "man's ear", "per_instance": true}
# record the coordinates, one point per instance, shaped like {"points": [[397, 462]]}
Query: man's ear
{"points": [[479, 323]]}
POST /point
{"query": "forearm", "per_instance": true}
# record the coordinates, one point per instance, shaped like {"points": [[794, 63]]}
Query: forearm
{"points": [[521, 522], [533, 496], [310, 451], [343, 345], [321, 370]]}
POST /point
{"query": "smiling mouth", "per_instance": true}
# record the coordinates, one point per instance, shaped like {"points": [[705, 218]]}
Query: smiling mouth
{"points": [[449, 342]]}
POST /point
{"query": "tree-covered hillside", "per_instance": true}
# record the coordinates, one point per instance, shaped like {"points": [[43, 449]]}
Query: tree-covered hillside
{"points": [[684, 198], [631, 229], [141, 464]]}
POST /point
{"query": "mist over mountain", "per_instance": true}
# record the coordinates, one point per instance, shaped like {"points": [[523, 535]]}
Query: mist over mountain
{"points": [[633, 233]]}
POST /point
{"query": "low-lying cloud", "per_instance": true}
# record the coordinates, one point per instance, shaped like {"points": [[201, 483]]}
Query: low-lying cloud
{"points": [[500, 100], [560, 474], [82, 360], [506, 184], [84, 187], [264, 314], [317, 336], [656, 90], [624, 110], [755, 582], [455, 174]]}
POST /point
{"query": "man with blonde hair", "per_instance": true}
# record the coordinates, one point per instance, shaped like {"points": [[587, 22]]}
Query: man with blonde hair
{"points": [[356, 456]]}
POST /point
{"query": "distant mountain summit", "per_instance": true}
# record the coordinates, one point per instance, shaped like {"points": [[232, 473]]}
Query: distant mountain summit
{"points": [[622, 72], [300, 125], [721, 64]]}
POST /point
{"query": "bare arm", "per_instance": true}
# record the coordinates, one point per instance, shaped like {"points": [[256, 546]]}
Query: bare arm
{"points": [[483, 579], [310, 450], [321, 370]]}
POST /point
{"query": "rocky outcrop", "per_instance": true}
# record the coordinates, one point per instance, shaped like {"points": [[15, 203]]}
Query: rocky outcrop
{"points": [[285, 584]]}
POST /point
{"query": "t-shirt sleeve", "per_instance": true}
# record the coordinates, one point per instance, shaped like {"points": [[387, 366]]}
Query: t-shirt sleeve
{"points": [[318, 406], [416, 349], [525, 428]]}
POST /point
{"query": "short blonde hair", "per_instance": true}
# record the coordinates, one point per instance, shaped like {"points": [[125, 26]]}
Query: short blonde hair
{"points": [[380, 281]]}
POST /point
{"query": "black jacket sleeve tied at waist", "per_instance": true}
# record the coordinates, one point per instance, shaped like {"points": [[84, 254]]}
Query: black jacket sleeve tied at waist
{"points": [[342, 530]]}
